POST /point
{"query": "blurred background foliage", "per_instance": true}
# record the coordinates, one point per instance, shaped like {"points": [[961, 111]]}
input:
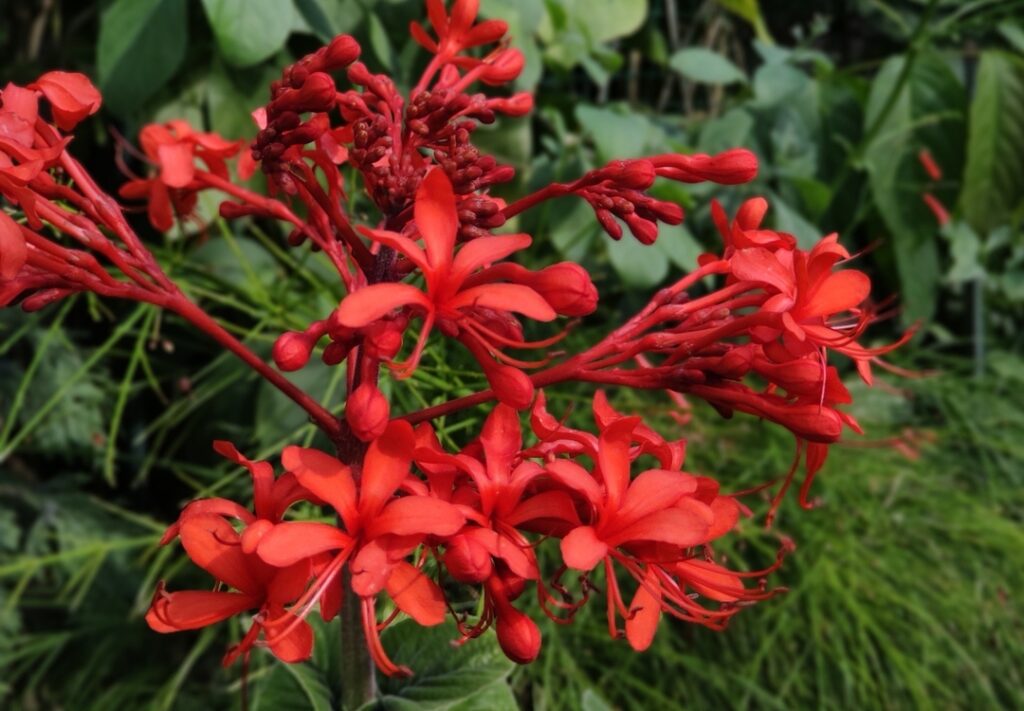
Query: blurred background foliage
{"points": [[905, 588]]}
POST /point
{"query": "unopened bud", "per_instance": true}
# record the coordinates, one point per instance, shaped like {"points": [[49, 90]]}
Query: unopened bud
{"points": [[751, 213], [467, 561], [317, 94], [566, 286], [634, 174], [518, 104], [518, 635], [511, 385], [367, 412], [507, 65], [609, 223], [292, 350], [342, 51], [644, 230]]}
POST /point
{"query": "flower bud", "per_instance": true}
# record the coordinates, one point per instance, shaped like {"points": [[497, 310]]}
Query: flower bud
{"points": [[317, 94], [731, 167], [511, 385], [609, 223], [518, 635], [644, 230], [467, 561], [367, 412], [342, 51], [634, 174], [71, 95], [507, 65], [518, 104], [566, 286], [292, 350]]}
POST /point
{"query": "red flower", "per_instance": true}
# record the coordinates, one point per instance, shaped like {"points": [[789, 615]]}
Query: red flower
{"points": [[173, 148], [469, 307], [13, 250], [380, 530], [230, 557], [456, 32]]}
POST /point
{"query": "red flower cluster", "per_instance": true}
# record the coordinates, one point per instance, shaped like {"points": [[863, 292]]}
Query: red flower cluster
{"points": [[414, 520], [474, 518]]}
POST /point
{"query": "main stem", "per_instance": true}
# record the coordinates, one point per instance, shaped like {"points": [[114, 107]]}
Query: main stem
{"points": [[358, 680]]}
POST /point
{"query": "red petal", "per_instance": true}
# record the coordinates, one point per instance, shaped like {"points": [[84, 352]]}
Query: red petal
{"points": [[71, 95], [613, 458], [436, 219], [13, 250], [686, 524], [412, 515], [575, 477], [371, 567], [161, 216], [645, 613], [485, 251], [192, 609], [837, 293], [486, 32], [176, 166], [505, 297], [421, 37], [399, 243], [385, 466], [760, 266], [372, 302], [296, 645], [293, 541], [213, 545], [653, 490], [327, 478], [548, 505], [515, 556], [711, 580], [416, 595], [582, 549]]}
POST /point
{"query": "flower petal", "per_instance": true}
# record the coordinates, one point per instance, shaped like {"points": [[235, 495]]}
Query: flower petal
{"points": [[485, 251], [289, 638], [710, 580], [192, 609], [761, 266], [416, 595], [836, 293], [176, 166], [505, 297], [386, 464], [13, 250], [436, 219], [582, 549], [412, 515], [644, 612], [686, 524], [212, 544], [652, 490], [292, 541], [613, 458], [370, 303], [327, 478]]}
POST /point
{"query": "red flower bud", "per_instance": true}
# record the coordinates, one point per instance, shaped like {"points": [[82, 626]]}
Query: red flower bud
{"points": [[367, 412], [737, 165], [71, 95], [566, 286], [511, 385], [609, 223], [518, 104], [342, 51], [635, 174], [518, 635], [292, 350], [317, 94], [467, 561], [505, 67], [644, 230], [13, 250]]}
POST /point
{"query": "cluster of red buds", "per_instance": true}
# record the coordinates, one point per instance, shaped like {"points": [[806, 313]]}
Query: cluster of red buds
{"points": [[413, 517]]}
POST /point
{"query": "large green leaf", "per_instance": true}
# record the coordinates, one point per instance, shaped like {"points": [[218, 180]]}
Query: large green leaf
{"points": [[641, 266], [927, 112], [993, 184], [293, 687], [704, 66], [141, 45], [617, 132], [467, 678], [605, 20], [249, 31]]}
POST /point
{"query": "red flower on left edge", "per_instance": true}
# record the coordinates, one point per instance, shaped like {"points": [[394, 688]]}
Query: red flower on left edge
{"points": [[173, 148], [213, 544]]}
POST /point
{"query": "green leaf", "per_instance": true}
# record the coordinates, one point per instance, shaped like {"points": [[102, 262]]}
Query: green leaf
{"points": [[605, 20], [639, 265], [925, 111], [380, 42], [677, 243], [328, 18], [141, 46], [749, 10], [249, 31], [293, 687], [616, 133], [704, 66], [993, 184], [467, 678], [1013, 33]]}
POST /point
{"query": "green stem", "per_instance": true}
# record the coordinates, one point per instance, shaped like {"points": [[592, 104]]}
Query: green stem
{"points": [[358, 680]]}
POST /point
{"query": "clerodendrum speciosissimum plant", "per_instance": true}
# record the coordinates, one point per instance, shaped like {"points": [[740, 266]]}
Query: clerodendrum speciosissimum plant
{"points": [[399, 496]]}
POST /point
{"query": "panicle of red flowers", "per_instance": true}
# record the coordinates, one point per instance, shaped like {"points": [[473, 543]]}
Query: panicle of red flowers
{"points": [[424, 530]]}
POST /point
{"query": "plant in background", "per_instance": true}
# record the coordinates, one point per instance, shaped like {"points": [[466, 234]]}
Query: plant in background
{"points": [[406, 522]]}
